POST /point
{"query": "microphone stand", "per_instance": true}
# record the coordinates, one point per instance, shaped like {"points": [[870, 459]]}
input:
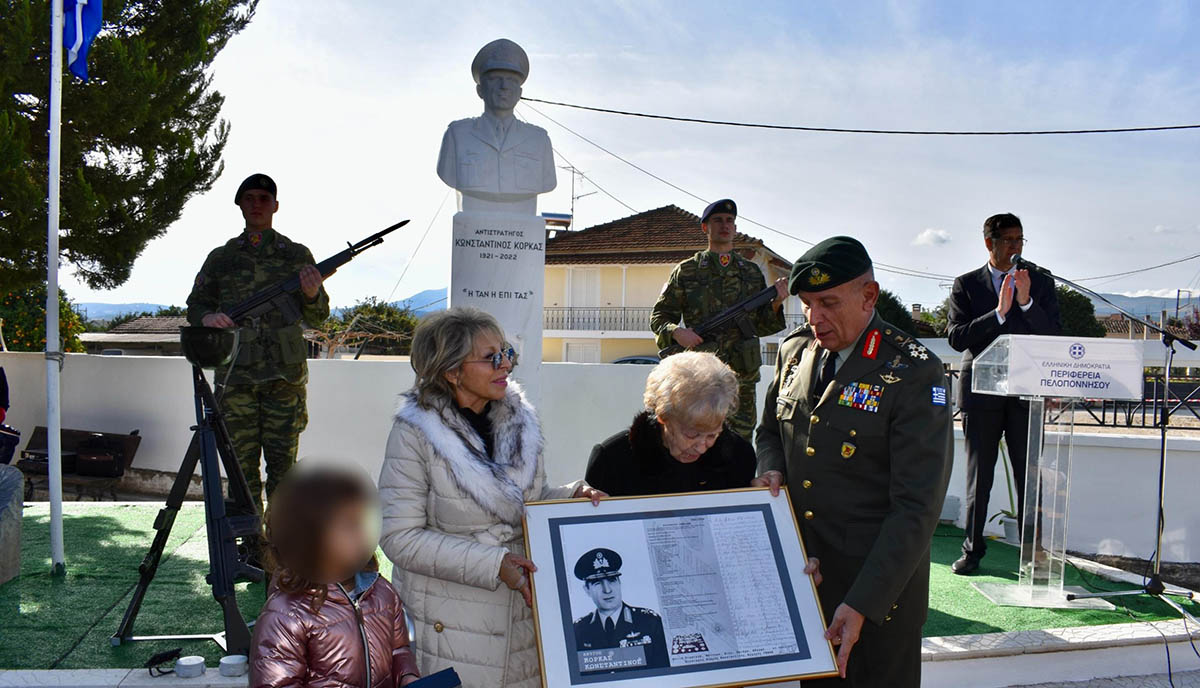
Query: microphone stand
{"points": [[1154, 585]]}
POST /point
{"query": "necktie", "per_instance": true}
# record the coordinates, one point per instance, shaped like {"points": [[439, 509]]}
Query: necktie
{"points": [[828, 370], [609, 627]]}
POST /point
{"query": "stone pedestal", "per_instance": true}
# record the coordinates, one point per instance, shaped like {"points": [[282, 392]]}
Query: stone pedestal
{"points": [[497, 264], [12, 489]]}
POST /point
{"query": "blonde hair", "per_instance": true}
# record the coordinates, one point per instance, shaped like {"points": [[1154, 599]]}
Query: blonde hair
{"points": [[440, 344], [692, 387]]}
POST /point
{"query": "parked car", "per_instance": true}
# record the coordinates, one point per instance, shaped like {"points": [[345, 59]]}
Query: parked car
{"points": [[638, 360]]}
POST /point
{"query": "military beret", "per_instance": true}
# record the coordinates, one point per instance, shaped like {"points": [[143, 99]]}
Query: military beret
{"points": [[832, 262], [724, 205], [500, 54], [259, 181], [598, 564]]}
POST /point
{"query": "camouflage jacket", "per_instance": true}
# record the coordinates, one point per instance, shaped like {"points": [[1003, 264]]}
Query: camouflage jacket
{"points": [[269, 348], [699, 288]]}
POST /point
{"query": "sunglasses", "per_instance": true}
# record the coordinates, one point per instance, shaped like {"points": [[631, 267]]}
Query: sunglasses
{"points": [[497, 359]]}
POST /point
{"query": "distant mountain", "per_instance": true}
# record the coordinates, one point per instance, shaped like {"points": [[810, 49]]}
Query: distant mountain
{"points": [[428, 301], [422, 303], [107, 311], [1143, 305]]}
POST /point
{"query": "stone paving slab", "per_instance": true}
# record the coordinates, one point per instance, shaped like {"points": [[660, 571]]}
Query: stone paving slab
{"points": [[114, 678], [1186, 679]]}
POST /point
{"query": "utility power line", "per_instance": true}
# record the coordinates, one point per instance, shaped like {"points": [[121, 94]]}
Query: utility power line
{"points": [[416, 248], [847, 130], [907, 272], [884, 267]]}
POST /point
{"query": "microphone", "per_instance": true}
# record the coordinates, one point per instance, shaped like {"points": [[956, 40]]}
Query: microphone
{"points": [[1020, 263]]}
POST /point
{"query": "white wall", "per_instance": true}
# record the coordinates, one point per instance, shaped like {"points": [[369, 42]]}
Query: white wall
{"points": [[350, 403]]}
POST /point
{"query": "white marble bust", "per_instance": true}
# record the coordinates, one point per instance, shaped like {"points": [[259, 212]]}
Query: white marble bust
{"points": [[496, 162]]}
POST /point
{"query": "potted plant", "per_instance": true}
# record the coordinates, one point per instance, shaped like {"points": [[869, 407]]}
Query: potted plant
{"points": [[1008, 517]]}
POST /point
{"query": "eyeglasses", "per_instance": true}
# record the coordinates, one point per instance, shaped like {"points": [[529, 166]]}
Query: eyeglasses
{"points": [[1018, 241], [497, 359]]}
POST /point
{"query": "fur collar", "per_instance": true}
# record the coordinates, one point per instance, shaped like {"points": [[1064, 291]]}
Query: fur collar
{"points": [[499, 485]]}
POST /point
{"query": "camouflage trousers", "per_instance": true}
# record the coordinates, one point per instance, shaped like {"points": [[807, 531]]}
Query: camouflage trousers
{"points": [[265, 420], [745, 417]]}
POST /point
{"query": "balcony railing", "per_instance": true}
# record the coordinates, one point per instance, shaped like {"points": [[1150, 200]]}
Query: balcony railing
{"points": [[614, 318], [610, 318]]}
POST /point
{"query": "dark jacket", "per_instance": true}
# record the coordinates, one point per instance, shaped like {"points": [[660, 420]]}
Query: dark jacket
{"points": [[294, 646], [636, 462], [3, 390], [866, 467], [635, 627], [973, 324]]}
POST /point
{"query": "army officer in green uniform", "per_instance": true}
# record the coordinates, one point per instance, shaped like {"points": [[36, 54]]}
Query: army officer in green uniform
{"points": [[712, 281], [614, 623], [856, 422], [263, 395]]}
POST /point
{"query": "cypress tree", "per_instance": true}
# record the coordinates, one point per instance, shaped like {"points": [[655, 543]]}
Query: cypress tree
{"points": [[138, 140]]}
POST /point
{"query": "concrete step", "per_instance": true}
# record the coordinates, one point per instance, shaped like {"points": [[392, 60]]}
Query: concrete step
{"points": [[1182, 679]]}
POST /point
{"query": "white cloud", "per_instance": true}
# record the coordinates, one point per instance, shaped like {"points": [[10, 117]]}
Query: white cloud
{"points": [[1158, 293], [931, 237]]}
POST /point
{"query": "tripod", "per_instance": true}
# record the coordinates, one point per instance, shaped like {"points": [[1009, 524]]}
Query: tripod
{"points": [[1154, 586], [226, 520]]}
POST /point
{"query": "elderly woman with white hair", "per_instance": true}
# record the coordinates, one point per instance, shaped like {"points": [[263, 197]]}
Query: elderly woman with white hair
{"points": [[680, 442], [464, 455]]}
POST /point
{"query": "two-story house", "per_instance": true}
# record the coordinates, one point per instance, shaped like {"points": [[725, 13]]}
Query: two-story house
{"points": [[601, 283]]}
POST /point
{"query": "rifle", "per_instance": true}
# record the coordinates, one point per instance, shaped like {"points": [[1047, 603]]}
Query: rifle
{"points": [[279, 296], [736, 315]]}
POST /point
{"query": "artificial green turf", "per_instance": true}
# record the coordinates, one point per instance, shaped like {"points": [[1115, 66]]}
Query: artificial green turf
{"points": [[956, 608], [66, 623]]}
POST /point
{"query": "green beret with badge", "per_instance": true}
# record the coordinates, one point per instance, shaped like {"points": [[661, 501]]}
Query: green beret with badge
{"points": [[257, 181], [831, 263]]}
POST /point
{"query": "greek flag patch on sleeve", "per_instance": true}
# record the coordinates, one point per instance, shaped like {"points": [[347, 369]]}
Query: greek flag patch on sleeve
{"points": [[939, 396]]}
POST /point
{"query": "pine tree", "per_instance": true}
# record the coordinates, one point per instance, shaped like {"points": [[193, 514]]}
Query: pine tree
{"points": [[893, 310], [138, 140], [1077, 314]]}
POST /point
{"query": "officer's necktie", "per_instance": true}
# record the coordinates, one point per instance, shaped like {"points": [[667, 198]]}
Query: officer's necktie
{"points": [[609, 626], [828, 370]]}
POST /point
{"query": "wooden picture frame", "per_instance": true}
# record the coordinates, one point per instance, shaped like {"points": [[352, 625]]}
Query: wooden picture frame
{"points": [[674, 591]]}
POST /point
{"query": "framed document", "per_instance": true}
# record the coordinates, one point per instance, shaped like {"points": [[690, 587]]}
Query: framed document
{"points": [[675, 591]]}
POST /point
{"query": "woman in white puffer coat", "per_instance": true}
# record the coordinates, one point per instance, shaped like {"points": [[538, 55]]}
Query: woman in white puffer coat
{"points": [[463, 457]]}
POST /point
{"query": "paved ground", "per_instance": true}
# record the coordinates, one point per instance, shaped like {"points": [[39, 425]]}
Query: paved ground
{"points": [[1185, 679]]}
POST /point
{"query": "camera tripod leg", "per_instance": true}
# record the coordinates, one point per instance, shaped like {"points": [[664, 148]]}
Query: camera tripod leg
{"points": [[163, 523], [210, 448]]}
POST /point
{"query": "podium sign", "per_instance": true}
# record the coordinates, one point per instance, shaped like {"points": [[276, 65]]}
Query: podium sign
{"points": [[1051, 373], [1062, 367]]}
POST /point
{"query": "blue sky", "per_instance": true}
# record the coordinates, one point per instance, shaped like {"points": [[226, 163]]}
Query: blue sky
{"points": [[345, 104]]}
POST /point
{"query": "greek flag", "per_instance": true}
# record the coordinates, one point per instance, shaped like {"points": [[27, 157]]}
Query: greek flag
{"points": [[81, 23]]}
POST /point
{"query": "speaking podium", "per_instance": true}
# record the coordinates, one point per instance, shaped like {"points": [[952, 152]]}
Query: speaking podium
{"points": [[1052, 374]]}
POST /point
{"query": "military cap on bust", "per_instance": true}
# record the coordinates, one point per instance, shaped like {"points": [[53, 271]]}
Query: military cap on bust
{"points": [[500, 54], [258, 181], [724, 205], [598, 564], [831, 263]]}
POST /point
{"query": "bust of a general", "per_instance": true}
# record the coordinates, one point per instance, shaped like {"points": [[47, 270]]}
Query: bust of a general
{"points": [[494, 159]]}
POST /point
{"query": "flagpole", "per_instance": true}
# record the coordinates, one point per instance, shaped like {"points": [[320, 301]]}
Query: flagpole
{"points": [[54, 357]]}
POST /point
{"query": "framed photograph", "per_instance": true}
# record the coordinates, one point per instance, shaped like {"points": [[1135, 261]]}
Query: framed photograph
{"points": [[676, 591]]}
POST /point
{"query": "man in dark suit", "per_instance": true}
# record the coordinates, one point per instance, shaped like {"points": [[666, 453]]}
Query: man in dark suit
{"points": [[984, 304]]}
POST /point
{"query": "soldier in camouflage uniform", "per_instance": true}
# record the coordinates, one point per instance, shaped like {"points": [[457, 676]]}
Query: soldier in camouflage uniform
{"points": [[262, 394], [706, 284]]}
